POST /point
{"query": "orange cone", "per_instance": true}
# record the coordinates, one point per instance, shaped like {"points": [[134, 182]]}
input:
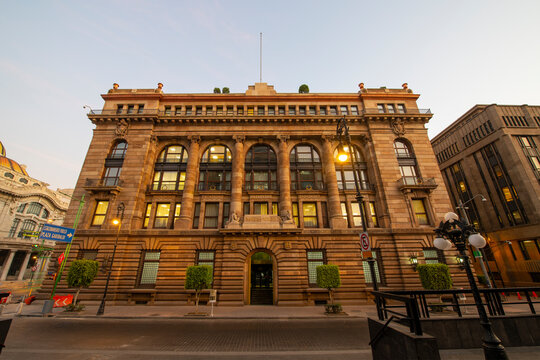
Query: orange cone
{"points": [[534, 294], [519, 296]]}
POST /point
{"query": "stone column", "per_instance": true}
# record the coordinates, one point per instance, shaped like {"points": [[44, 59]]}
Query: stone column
{"points": [[7, 265], [237, 176], [24, 265], [329, 170], [284, 177], [185, 220]]}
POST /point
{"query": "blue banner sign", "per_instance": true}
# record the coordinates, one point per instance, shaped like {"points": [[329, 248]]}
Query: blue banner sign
{"points": [[56, 233]]}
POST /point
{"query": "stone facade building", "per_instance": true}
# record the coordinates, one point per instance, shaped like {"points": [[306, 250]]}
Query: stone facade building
{"points": [[249, 183], [25, 205], [492, 150]]}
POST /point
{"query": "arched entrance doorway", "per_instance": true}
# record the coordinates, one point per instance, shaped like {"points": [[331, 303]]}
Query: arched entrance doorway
{"points": [[261, 271]]}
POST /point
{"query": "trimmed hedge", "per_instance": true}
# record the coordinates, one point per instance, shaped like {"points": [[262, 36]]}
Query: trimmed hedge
{"points": [[434, 276], [328, 278]]}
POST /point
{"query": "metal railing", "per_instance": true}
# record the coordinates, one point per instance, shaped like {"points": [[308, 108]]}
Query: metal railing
{"points": [[416, 181], [107, 182], [411, 317]]}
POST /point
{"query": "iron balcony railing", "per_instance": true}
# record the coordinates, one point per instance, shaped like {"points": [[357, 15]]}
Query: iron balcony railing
{"points": [[416, 181], [106, 182]]}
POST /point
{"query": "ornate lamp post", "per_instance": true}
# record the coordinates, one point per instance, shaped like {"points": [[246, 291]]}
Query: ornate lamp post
{"points": [[117, 222], [343, 135], [457, 232]]}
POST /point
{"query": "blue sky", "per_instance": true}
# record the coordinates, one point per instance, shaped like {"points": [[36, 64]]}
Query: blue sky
{"points": [[60, 55]]}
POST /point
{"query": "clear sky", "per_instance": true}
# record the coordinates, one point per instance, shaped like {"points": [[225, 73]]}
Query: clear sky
{"points": [[57, 56]]}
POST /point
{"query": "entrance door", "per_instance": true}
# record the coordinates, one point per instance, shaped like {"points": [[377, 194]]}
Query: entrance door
{"points": [[262, 284]]}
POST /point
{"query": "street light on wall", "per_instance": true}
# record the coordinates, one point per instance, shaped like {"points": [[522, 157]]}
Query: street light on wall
{"points": [[345, 152], [117, 222], [413, 260], [454, 231]]}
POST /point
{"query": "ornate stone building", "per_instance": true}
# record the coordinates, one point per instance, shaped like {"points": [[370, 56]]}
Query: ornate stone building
{"points": [[249, 183], [25, 205], [492, 150]]}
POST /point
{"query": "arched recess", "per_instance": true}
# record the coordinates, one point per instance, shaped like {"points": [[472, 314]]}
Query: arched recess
{"points": [[306, 168], [215, 168], [260, 168], [256, 271], [170, 168]]}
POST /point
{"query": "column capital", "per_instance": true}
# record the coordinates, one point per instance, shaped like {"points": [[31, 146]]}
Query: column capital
{"points": [[194, 138], [283, 138], [239, 138], [328, 138]]}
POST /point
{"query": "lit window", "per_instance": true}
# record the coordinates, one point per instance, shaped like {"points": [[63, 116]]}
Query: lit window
{"points": [[373, 213], [177, 209], [344, 212], [356, 214], [462, 186], [100, 212], [260, 208], [420, 211], [250, 110], [147, 215], [162, 215], [309, 212], [295, 213]]}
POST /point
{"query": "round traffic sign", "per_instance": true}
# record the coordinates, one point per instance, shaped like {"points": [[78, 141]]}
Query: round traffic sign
{"points": [[34, 268], [364, 242]]}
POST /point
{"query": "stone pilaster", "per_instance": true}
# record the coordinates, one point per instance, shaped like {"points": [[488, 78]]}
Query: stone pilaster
{"points": [[7, 265], [24, 265], [284, 177], [329, 169], [186, 212], [237, 176]]}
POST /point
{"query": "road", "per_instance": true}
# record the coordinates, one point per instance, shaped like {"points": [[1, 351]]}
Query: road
{"points": [[97, 339]]}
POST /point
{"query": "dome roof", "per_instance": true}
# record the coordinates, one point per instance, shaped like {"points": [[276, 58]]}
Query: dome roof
{"points": [[10, 164]]}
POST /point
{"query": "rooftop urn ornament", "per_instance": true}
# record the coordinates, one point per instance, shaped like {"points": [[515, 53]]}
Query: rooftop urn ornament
{"points": [[362, 88], [160, 86], [115, 86], [406, 87]]}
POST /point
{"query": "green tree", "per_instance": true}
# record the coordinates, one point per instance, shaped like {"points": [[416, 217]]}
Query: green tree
{"points": [[81, 274], [328, 278], [198, 278], [434, 276], [225, 90], [217, 91], [303, 89]]}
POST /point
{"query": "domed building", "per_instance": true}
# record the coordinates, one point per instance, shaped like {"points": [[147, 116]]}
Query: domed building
{"points": [[25, 205]]}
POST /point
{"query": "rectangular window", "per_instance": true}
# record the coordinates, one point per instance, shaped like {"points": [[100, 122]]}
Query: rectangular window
{"points": [[177, 210], [260, 208], [188, 110], [219, 110], [309, 212], [21, 208], [295, 214], [275, 210], [250, 111], [367, 273], [314, 258], [131, 109], [312, 110], [401, 108], [119, 109], [529, 247], [292, 110], [198, 110], [344, 213], [167, 110], [322, 110], [420, 211], [433, 256], [209, 110], [380, 108], [206, 257], [373, 213], [147, 215], [324, 210], [100, 212], [140, 110], [162, 215], [211, 213], [356, 214], [302, 110], [271, 110], [333, 110], [230, 110], [344, 110], [260, 110], [225, 215], [149, 268], [246, 208], [196, 215], [87, 254], [14, 226], [240, 110], [354, 110], [281, 110], [178, 110], [391, 108]]}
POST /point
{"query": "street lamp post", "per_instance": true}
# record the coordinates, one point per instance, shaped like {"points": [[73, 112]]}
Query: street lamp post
{"points": [[117, 222], [342, 132], [457, 232], [461, 207]]}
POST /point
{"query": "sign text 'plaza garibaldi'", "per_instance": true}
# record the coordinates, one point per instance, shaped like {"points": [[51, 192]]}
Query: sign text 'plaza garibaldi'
{"points": [[250, 184]]}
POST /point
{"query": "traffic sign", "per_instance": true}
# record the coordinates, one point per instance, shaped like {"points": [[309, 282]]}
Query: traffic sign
{"points": [[365, 244], [61, 301], [34, 268], [56, 233]]}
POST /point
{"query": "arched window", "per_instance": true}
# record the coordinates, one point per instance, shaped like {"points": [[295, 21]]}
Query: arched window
{"points": [[306, 170], [407, 162], [261, 168], [45, 214], [170, 169], [27, 228], [215, 168], [345, 174], [34, 208], [113, 164]]}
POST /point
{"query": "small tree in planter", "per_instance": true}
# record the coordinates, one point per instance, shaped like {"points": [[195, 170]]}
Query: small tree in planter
{"points": [[435, 277], [81, 274], [303, 89], [198, 278], [226, 90], [328, 278], [217, 90]]}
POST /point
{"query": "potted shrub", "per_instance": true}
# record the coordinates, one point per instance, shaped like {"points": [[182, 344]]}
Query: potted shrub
{"points": [[217, 90], [303, 89], [225, 90], [435, 277], [328, 278], [81, 274], [198, 278]]}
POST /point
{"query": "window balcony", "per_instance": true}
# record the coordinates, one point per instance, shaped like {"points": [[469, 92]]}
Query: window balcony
{"points": [[110, 185], [410, 183]]}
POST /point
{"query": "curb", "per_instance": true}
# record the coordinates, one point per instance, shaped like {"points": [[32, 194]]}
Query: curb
{"points": [[188, 317]]}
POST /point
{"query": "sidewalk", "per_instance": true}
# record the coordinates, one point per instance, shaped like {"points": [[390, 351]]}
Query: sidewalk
{"points": [[182, 311]]}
